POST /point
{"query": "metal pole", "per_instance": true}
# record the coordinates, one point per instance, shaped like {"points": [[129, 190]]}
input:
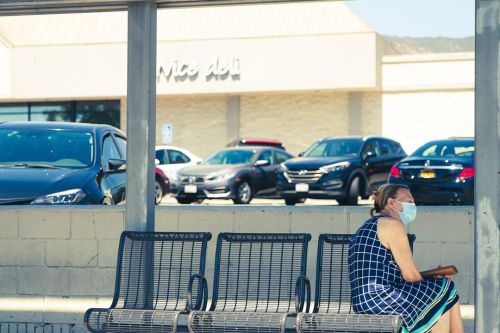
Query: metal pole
{"points": [[487, 180], [141, 116]]}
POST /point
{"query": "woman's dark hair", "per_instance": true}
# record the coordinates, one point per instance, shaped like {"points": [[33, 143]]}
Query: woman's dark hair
{"points": [[382, 195]]}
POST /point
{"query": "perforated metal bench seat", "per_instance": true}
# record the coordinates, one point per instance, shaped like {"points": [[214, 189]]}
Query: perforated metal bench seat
{"points": [[347, 323], [159, 276], [259, 280], [131, 320], [332, 310]]}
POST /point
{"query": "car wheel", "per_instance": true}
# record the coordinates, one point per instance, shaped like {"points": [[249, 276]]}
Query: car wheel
{"points": [[351, 198], [158, 192], [293, 202], [185, 201], [243, 193]]}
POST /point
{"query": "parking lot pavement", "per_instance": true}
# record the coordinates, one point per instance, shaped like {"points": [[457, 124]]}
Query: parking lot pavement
{"points": [[168, 200]]}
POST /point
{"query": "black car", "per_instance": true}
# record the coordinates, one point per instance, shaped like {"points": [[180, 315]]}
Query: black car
{"points": [[339, 168], [239, 174], [61, 163], [440, 172]]}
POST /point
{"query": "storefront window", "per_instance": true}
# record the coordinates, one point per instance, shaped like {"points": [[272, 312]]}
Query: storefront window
{"points": [[95, 112], [13, 112]]}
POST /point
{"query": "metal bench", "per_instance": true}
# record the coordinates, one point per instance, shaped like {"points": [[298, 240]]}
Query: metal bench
{"points": [[259, 280], [159, 275], [332, 310]]}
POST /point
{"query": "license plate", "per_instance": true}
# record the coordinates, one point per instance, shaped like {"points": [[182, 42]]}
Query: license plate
{"points": [[301, 188], [427, 174], [190, 188]]}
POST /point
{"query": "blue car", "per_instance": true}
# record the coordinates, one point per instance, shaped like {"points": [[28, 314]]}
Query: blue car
{"points": [[61, 163], [440, 172]]}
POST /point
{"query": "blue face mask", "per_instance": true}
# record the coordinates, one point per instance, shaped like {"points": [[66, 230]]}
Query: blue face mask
{"points": [[409, 212]]}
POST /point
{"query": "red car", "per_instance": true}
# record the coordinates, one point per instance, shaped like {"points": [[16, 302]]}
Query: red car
{"points": [[256, 142], [162, 185]]}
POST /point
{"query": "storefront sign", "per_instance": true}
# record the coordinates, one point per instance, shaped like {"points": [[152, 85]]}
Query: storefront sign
{"points": [[219, 68]]}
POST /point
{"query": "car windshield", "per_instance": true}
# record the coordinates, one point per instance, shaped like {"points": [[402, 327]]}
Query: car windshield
{"points": [[333, 148], [46, 148], [231, 157], [445, 149]]}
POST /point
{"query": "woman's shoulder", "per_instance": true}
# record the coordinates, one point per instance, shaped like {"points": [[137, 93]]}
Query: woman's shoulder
{"points": [[389, 225]]}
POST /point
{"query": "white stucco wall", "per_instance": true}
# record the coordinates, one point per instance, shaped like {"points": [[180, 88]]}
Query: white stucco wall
{"points": [[5, 69], [427, 97]]}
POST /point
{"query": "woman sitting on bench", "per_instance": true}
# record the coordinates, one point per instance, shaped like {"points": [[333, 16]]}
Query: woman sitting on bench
{"points": [[383, 275]]}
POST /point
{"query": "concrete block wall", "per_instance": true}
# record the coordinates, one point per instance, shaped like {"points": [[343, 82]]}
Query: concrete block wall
{"points": [[67, 255]]}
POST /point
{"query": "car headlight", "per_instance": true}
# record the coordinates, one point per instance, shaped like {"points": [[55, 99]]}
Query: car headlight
{"points": [[335, 167], [219, 177], [283, 167], [66, 197], [174, 177]]}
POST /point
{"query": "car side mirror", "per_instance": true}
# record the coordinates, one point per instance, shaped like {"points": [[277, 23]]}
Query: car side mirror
{"points": [[261, 163], [157, 161], [301, 154], [116, 164]]}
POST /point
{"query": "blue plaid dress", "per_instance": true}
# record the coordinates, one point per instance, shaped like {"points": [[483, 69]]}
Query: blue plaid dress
{"points": [[377, 286]]}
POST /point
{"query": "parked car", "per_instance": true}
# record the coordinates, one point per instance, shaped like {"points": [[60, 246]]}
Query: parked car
{"points": [[441, 172], [256, 142], [162, 185], [61, 163], [171, 159], [239, 174], [338, 168]]}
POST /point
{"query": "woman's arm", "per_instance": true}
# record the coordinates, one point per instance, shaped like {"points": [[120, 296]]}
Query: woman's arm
{"points": [[392, 235]]}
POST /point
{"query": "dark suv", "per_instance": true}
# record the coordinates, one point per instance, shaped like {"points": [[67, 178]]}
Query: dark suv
{"points": [[339, 168]]}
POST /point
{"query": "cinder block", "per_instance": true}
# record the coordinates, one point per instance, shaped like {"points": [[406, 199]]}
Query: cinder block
{"points": [[43, 281], [443, 225], [108, 224], [460, 255], [74, 253], [92, 281], [318, 222], [44, 223], [214, 221], [462, 283], [107, 253], [167, 219], [263, 220], [427, 255], [82, 224], [357, 216], [9, 224], [8, 278], [22, 252]]}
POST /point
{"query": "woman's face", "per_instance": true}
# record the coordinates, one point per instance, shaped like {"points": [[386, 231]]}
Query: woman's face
{"points": [[403, 195]]}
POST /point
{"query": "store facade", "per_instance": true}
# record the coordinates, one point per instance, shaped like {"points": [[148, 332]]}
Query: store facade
{"points": [[292, 72]]}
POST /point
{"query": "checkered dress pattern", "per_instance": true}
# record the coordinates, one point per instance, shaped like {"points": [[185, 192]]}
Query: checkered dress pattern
{"points": [[377, 286]]}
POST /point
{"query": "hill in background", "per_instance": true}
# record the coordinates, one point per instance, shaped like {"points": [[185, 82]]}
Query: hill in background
{"points": [[415, 45]]}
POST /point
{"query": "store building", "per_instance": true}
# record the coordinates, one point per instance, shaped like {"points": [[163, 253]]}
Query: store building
{"points": [[293, 72]]}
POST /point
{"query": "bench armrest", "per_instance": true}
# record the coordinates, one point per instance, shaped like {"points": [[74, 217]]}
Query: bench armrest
{"points": [[302, 293], [201, 301]]}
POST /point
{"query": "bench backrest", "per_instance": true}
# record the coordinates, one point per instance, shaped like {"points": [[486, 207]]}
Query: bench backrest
{"points": [[258, 272], [333, 289], [154, 269]]}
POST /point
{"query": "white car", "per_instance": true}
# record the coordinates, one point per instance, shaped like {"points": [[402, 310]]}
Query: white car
{"points": [[171, 159]]}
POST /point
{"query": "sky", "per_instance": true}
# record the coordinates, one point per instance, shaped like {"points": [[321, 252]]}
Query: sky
{"points": [[418, 18]]}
